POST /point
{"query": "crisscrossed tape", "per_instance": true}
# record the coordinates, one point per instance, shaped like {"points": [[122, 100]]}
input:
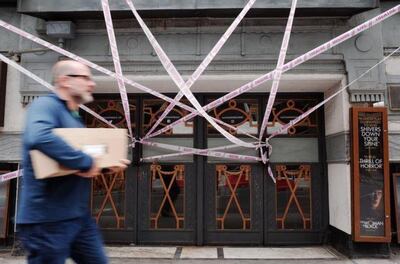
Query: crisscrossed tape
{"points": [[184, 87]]}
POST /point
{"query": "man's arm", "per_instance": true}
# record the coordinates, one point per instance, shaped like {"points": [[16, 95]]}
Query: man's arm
{"points": [[41, 120]]}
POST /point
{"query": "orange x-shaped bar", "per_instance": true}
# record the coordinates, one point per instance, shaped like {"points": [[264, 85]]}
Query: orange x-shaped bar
{"points": [[109, 197], [167, 197], [293, 197], [233, 197]]}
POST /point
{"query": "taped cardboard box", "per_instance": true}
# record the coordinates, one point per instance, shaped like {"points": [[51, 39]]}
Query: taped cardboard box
{"points": [[107, 145]]}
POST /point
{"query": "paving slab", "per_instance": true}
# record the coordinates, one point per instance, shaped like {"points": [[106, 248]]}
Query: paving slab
{"points": [[199, 253], [278, 253], [141, 252]]}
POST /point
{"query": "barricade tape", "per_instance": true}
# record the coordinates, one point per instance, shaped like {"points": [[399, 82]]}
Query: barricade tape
{"points": [[278, 71], [31, 75], [203, 152], [277, 78], [183, 153], [178, 80], [308, 112], [207, 60], [92, 65], [49, 86], [293, 122], [280, 131], [258, 81], [11, 175], [230, 95], [117, 64], [290, 65]]}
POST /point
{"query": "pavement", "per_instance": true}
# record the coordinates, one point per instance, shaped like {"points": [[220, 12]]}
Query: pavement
{"points": [[231, 255]]}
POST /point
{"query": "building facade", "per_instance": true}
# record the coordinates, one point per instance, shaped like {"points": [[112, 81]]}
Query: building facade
{"points": [[201, 200]]}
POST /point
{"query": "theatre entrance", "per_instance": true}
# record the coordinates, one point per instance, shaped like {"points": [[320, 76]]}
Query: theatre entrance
{"points": [[166, 198]]}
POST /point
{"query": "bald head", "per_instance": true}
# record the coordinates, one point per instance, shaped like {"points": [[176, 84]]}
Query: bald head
{"points": [[73, 81], [67, 67]]}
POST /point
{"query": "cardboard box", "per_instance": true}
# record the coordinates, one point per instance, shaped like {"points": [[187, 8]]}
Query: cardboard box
{"points": [[106, 145]]}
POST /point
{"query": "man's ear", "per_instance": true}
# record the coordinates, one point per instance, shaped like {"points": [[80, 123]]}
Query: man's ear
{"points": [[63, 81]]}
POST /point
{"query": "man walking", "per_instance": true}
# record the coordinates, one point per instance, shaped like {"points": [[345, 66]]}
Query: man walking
{"points": [[54, 219]]}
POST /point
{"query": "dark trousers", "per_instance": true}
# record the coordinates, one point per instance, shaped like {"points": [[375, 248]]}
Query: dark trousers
{"points": [[53, 243]]}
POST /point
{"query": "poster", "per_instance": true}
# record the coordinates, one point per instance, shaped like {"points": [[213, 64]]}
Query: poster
{"points": [[370, 174], [372, 215]]}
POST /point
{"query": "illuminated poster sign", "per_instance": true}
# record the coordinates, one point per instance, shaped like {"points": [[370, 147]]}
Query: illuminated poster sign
{"points": [[371, 221]]}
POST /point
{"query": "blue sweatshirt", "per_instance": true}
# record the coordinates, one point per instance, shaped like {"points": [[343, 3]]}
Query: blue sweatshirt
{"points": [[59, 198]]}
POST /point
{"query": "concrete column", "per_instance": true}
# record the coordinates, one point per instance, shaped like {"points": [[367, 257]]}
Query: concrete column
{"points": [[338, 159]]}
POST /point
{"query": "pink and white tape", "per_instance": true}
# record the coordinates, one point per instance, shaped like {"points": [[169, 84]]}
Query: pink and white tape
{"points": [[90, 64], [18, 173], [117, 64], [184, 88], [203, 152], [212, 152], [178, 80], [183, 153], [277, 78], [293, 122], [278, 71], [49, 86], [11, 175], [290, 65], [98, 68], [207, 60], [231, 95]]}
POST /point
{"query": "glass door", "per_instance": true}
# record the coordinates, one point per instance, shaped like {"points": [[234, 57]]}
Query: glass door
{"points": [[233, 207], [166, 183], [111, 189], [296, 207]]}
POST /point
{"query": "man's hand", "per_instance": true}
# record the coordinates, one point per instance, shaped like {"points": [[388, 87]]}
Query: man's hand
{"points": [[93, 172]]}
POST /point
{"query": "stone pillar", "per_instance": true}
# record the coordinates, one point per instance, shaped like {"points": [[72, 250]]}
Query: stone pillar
{"points": [[337, 127]]}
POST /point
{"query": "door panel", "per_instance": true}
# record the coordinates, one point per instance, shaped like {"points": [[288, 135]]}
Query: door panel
{"points": [[113, 192], [293, 197], [167, 203], [233, 204], [213, 201], [294, 205], [108, 199]]}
